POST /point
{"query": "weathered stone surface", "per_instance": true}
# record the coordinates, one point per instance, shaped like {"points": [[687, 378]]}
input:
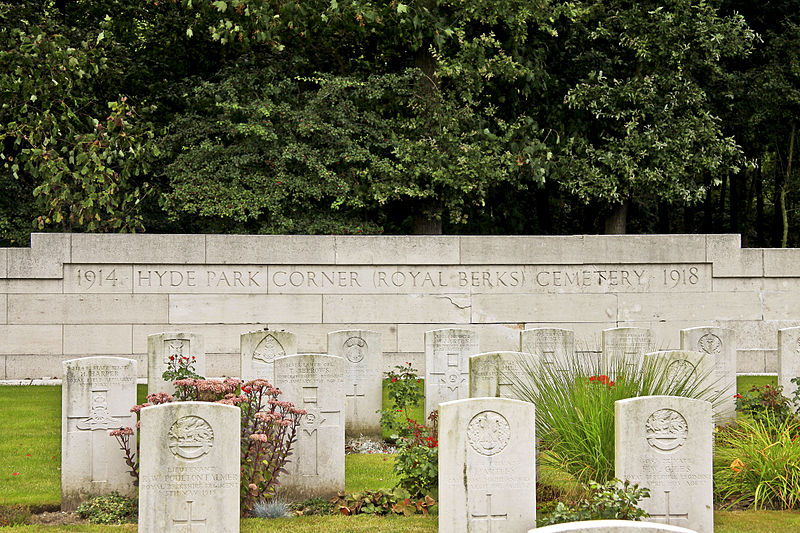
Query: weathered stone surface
{"points": [[244, 308], [664, 443], [398, 308], [98, 278], [102, 340], [487, 475], [314, 382], [488, 308], [161, 347], [729, 259], [411, 337], [87, 308], [44, 259], [645, 248], [493, 374], [697, 306], [96, 397], [522, 249], [447, 353], [626, 345], [781, 262], [137, 248], [362, 353], [396, 249], [788, 359], [258, 350], [189, 477], [720, 345], [756, 361], [611, 526], [271, 249], [39, 339], [555, 346]]}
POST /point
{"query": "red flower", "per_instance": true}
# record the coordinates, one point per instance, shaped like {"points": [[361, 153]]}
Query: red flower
{"points": [[15, 474], [592, 378], [737, 395], [171, 357], [394, 380]]}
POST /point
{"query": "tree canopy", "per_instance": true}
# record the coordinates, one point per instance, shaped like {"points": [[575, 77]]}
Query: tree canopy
{"points": [[425, 116]]}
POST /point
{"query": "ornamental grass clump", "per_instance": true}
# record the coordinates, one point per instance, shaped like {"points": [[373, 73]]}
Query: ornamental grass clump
{"points": [[575, 406], [757, 460], [268, 430]]}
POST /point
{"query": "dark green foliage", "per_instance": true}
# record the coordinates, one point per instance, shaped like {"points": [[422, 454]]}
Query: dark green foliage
{"points": [[406, 392], [111, 509]]}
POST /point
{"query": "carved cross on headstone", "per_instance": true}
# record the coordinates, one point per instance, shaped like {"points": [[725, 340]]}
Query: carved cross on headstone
{"points": [[189, 522], [667, 514], [312, 422], [98, 422], [355, 396], [488, 516]]}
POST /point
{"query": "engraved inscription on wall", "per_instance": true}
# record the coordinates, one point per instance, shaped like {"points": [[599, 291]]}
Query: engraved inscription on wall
{"points": [[400, 279]]}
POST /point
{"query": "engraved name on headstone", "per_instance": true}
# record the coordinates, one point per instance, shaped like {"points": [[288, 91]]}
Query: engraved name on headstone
{"points": [[165, 347], [664, 443], [189, 468], [96, 397], [555, 346], [719, 345], [492, 374], [625, 347], [363, 366], [487, 475], [314, 382], [258, 350], [447, 353]]}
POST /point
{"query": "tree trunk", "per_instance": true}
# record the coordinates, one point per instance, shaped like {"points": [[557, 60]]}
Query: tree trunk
{"points": [[708, 207], [759, 207], [617, 221], [782, 196], [424, 225]]}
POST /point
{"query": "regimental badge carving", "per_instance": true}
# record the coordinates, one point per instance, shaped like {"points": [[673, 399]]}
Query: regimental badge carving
{"points": [[488, 433], [190, 437], [176, 348], [99, 415], [355, 349], [679, 370], [666, 430], [312, 420], [452, 378], [710, 344], [268, 349]]}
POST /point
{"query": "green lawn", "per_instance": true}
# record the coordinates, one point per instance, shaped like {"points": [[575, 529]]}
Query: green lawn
{"points": [[744, 383]]}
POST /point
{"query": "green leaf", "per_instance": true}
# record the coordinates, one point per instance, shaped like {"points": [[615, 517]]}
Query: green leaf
{"points": [[402, 8], [220, 5]]}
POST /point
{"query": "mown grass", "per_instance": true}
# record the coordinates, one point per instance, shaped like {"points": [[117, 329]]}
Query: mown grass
{"points": [[745, 383]]}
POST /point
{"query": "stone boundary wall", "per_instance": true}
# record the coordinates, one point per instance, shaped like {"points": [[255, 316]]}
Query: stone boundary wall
{"points": [[76, 295]]}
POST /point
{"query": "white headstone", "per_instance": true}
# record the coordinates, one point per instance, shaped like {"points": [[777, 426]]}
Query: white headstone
{"points": [[363, 378], [314, 382], [555, 346], [695, 369], [189, 468], [664, 443], [625, 344], [162, 346], [447, 354], [97, 394], [491, 374], [487, 471], [788, 359], [720, 346], [258, 350], [611, 526]]}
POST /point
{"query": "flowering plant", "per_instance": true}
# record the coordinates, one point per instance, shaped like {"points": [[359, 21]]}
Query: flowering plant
{"points": [[405, 392], [602, 379], [180, 367], [417, 462], [268, 429]]}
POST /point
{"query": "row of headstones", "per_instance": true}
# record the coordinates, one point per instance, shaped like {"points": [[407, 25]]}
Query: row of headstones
{"points": [[447, 356], [189, 464]]}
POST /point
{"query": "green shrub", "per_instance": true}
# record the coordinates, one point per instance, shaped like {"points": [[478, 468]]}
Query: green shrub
{"points": [[575, 406], [405, 391], [14, 515], [273, 508], [614, 500], [757, 462], [111, 509], [760, 402]]}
